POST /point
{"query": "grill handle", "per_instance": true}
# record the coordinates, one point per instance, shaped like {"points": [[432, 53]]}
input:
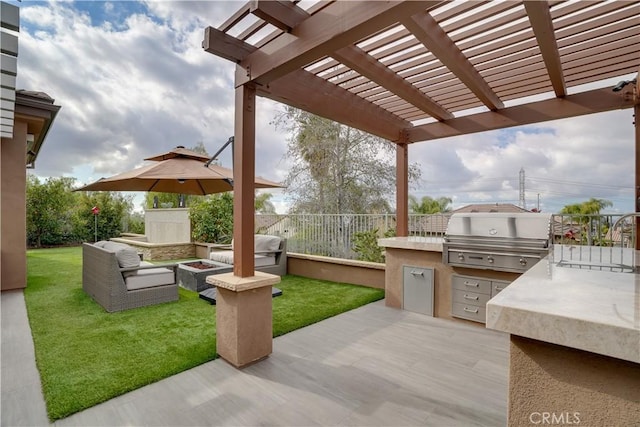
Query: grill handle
{"points": [[417, 273]]}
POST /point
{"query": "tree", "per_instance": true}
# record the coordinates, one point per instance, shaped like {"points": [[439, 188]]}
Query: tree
{"points": [[49, 207], [114, 212], [337, 169], [263, 203], [428, 205], [585, 212], [212, 218]]}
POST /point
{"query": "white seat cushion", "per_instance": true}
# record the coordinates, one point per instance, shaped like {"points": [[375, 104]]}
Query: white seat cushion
{"points": [[149, 278], [264, 260], [222, 256], [227, 258]]}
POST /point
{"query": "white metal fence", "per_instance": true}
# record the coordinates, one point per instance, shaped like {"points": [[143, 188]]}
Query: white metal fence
{"points": [[333, 235]]}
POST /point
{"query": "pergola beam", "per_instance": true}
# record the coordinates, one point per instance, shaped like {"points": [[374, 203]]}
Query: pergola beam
{"points": [[542, 25], [366, 65], [283, 14], [225, 46], [436, 40], [304, 90], [336, 26], [594, 101]]}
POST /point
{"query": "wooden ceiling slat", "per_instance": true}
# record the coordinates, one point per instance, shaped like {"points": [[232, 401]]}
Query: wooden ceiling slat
{"points": [[590, 78], [531, 58], [457, 10], [494, 9], [594, 25], [501, 81], [427, 30], [625, 37], [526, 87], [623, 65], [601, 54], [516, 15], [588, 14], [358, 60]]}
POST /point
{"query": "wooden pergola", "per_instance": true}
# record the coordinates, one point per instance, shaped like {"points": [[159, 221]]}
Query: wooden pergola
{"points": [[412, 71]]}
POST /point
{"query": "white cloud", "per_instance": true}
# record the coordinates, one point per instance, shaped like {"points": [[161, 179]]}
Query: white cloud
{"points": [[565, 161]]}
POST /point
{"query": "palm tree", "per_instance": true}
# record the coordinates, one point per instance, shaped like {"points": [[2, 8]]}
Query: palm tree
{"points": [[585, 211], [429, 205]]}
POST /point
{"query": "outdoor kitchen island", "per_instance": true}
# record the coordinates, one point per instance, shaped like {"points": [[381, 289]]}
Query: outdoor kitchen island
{"points": [[418, 261], [575, 343]]}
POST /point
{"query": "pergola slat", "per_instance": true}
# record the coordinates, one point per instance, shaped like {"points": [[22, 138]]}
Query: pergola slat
{"points": [[427, 30], [358, 60], [540, 17]]}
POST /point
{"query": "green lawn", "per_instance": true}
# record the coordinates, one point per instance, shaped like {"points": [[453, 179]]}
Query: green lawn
{"points": [[86, 355]]}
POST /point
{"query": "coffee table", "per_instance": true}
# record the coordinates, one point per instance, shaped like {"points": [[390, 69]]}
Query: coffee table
{"points": [[194, 279]]}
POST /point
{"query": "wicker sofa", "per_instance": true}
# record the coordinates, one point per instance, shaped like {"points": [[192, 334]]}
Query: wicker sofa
{"points": [[115, 278], [270, 254]]}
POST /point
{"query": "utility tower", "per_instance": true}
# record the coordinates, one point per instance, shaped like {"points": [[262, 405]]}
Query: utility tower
{"points": [[522, 203]]}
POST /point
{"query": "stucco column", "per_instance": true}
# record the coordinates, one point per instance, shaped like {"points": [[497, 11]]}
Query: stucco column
{"points": [[13, 209], [244, 321]]}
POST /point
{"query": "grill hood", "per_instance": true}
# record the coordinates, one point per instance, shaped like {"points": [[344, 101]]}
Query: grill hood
{"points": [[497, 241], [500, 225]]}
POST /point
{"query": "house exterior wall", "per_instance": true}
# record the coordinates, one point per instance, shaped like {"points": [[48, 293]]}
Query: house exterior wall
{"points": [[13, 211]]}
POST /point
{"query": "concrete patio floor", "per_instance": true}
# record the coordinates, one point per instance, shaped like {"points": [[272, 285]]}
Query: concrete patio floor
{"points": [[372, 366]]}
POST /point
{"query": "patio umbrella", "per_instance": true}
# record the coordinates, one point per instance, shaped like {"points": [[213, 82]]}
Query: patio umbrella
{"points": [[179, 171]]}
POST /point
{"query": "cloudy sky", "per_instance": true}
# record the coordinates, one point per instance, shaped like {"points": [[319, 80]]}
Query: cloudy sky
{"points": [[133, 81]]}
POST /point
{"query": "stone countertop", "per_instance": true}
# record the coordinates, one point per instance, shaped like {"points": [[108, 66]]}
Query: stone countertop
{"points": [[431, 244], [582, 308]]}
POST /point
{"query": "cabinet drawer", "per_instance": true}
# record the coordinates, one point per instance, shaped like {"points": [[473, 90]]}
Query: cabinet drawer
{"points": [[470, 298], [470, 312], [472, 284], [496, 287]]}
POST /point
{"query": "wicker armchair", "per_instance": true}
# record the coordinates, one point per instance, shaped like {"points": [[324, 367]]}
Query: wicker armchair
{"points": [[103, 280]]}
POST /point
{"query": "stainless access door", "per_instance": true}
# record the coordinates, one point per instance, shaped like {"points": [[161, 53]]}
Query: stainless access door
{"points": [[417, 289]]}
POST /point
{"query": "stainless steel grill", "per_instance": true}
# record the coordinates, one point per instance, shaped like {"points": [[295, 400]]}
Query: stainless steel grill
{"points": [[497, 241]]}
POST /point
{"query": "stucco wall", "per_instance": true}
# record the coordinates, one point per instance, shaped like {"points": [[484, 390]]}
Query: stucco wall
{"points": [[167, 225], [13, 210], [336, 270], [577, 387]]}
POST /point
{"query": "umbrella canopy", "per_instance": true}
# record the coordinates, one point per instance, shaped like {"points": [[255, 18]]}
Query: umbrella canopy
{"points": [[178, 171]]}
